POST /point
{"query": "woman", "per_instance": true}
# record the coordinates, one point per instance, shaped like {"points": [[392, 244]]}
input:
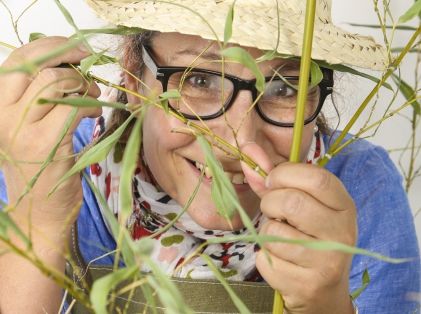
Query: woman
{"points": [[360, 190]]}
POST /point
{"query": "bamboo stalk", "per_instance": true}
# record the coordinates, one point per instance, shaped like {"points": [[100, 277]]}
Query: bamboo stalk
{"points": [[305, 66], [392, 68]]}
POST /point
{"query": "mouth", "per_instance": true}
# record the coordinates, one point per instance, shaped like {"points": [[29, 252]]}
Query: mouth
{"points": [[236, 178]]}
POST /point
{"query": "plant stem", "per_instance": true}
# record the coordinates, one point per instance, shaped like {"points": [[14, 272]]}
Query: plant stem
{"points": [[305, 66], [304, 81], [334, 148]]}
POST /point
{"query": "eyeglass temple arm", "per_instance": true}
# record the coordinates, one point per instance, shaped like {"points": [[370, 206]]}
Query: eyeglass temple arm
{"points": [[148, 61]]}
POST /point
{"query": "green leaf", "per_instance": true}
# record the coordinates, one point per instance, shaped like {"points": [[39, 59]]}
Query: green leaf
{"points": [[243, 57], [69, 121], [408, 92], [120, 30], [312, 244], [365, 281], [414, 10], [222, 191], [346, 69], [398, 27], [127, 249], [95, 59], [6, 223], [103, 286], [31, 66], [166, 290], [166, 96], [82, 102], [228, 24], [94, 154], [316, 74], [239, 304], [35, 36], [130, 158]]}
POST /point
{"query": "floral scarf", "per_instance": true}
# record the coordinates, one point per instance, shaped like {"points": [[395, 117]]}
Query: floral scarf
{"points": [[153, 209]]}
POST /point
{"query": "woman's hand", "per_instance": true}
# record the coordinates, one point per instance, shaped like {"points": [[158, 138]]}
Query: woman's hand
{"points": [[304, 202], [28, 134], [29, 131]]}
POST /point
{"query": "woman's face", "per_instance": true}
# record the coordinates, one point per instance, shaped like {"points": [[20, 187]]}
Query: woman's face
{"points": [[172, 154]]}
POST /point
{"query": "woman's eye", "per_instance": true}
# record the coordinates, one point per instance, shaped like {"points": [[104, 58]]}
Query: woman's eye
{"points": [[280, 89], [201, 81]]}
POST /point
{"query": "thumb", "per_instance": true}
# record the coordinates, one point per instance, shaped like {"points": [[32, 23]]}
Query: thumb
{"points": [[255, 180]]}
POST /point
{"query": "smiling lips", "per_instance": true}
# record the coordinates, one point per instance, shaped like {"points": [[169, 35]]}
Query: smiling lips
{"points": [[234, 177]]}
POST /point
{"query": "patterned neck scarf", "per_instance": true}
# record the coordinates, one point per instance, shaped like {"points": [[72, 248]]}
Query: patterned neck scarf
{"points": [[153, 209]]}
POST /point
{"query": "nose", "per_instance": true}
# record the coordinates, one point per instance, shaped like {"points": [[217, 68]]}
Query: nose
{"points": [[242, 124]]}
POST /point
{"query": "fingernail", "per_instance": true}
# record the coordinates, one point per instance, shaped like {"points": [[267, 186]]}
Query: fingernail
{"points": [[267, 182], [83, 48]]}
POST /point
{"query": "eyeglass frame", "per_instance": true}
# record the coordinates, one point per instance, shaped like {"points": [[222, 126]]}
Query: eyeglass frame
{"points": [[163, 73]]}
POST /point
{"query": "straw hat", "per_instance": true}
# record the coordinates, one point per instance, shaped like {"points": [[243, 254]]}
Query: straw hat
{"points": [[255, 25]]}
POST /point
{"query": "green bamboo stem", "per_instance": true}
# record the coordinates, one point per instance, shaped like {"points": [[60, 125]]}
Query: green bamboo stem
{"points": [[334, 148], [373, 125], [305, 66]]}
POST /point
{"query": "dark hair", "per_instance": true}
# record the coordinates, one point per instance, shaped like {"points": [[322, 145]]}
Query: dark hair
{"points": [[132, 59]]}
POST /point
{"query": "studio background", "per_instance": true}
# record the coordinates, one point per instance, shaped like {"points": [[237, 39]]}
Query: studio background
{"points": [[45, 17]]}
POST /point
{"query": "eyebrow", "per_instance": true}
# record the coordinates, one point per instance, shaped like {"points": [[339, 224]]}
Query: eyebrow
{"points": [[210, 55], [286, 65]]}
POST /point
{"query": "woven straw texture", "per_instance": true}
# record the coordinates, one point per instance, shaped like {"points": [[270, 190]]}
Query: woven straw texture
{"points": [[264, 24]]}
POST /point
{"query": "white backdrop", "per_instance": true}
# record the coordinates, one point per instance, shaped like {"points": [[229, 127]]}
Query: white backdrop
{"points": [[45, 17]]}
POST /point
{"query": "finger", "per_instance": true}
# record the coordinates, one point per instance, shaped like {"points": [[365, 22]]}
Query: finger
{"points": [[316, 181], [255, 180], [308, 215], [57, 117], [53, 83], [14, 84], [281, 275], [293, 253]]}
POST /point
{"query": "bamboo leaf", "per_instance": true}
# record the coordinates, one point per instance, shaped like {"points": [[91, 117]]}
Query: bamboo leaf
{"points": [[239, 304], [82, 102], [313, 244], [166, 96], [103, 286], [221, 188], [243, 57], [346, 69], [35, 36], [126, 247], [228, 24], [316, 74], [408, 92], [398, 27], [167, 292], [365, 282], [130, 157], [31, 66], [6, 223], [414, 10], [95, 59], [121, 30], [95, 153], [71, 118]]}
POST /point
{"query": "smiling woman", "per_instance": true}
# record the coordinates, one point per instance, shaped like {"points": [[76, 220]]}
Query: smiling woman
{"points": [[162, 187]]}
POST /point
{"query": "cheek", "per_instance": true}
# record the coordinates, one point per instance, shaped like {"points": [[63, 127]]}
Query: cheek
{"points": [[279, 142], [162, 132]]}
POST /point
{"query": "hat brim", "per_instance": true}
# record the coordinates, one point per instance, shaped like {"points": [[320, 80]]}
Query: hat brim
{"points": [[255, 24]]}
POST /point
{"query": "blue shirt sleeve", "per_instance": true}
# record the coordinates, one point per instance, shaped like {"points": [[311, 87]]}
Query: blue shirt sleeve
{"points": [[385, 226]]}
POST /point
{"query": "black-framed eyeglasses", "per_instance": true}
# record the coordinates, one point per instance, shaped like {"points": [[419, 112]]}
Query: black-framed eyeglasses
{"points": [[208, 94]]}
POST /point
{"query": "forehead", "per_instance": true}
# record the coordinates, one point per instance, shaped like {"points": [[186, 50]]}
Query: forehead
{"points": [[178, 49]]}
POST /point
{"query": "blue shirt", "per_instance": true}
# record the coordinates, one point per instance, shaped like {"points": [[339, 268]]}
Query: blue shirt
{"points": [[385, 225]]}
